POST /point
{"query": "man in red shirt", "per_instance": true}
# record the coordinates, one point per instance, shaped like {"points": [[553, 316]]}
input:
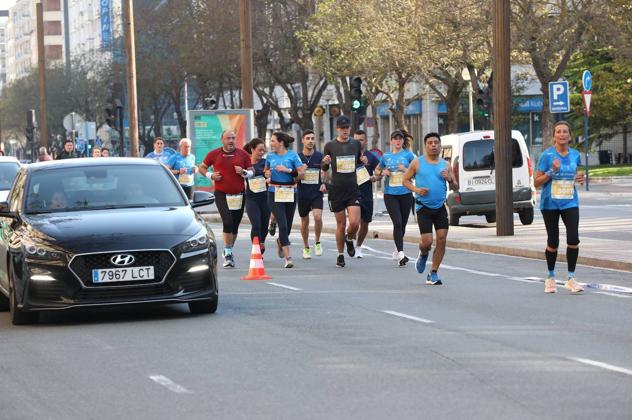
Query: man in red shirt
{"points": [[230, 166]]}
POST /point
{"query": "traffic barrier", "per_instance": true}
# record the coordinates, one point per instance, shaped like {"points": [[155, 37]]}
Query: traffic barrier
{"points": [[257, 271]]}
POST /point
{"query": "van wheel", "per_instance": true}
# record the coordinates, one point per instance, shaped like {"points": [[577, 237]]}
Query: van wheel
{"points": [[454, 219], [490, 217], [526, 216]]}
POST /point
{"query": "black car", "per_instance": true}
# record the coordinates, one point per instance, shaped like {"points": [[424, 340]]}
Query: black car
{"points": [[102, 232]]}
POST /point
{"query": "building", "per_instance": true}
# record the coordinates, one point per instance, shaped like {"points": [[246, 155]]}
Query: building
{"points": [[4, 21], [93, 25]]}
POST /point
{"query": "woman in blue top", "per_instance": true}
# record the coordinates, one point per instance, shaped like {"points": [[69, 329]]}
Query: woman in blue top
{"points": [[282, 166], [256, 193], [557, 174], [397, 198]]}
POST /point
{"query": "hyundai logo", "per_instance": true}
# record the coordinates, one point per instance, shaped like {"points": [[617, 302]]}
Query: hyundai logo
{"points": [[122, 259]]}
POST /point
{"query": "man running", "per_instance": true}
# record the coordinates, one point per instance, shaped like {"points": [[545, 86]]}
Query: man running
{"points": [[343, 155], [183, 166], [160, 153], [230, 167], [431, 173], [310, 194], [366, 179]]}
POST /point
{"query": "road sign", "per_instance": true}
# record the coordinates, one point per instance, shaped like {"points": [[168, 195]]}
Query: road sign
{"points": [[587, 80], [559, 100], [80, 145], [72, 120], [587, 94]]}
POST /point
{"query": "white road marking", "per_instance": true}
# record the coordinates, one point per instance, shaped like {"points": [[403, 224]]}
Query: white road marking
{"points": [[169, 384], [602, 365], [283, 286], [613, 295], [412, 318]]}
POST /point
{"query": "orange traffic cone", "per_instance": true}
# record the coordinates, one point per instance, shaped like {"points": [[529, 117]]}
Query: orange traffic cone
{"points": [[257, 271]]}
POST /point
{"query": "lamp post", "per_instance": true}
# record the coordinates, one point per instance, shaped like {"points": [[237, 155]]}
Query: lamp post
{"points": [[466, 76]]}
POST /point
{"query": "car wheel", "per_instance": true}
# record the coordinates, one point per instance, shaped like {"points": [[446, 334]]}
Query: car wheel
{"points": [[207, 306], [454, 219], [490, 217], [526, 216], [18, 316]]}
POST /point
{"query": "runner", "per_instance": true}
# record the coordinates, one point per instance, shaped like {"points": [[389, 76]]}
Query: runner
{"points": [[397, 199], [431, 173], [343, 155], [365, 174], [256, 193], [160, 153], [282, 166], [557, 174], [310, 194], [182, 165], [230, 167]]}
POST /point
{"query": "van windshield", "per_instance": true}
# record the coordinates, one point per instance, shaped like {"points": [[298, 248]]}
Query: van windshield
{"points": [[479, 155]]}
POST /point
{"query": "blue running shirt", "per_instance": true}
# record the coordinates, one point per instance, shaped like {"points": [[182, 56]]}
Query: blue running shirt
{"points": [[559, 193], [290, 160], [391, 161]]}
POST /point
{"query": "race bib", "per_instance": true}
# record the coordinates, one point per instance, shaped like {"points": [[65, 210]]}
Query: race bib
{"points": [[185, 179], [563, 189], [312, 176], [284, 195], [363, 175], [234, 201], [345, 164], [396, 179], [257, 184]]}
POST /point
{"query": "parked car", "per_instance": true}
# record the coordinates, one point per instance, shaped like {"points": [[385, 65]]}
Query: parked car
{"points": [[9, 167], [102, 232], [472, 158]]}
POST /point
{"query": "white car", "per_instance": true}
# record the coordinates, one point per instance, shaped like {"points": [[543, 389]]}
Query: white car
{"points": [[9, 167]]}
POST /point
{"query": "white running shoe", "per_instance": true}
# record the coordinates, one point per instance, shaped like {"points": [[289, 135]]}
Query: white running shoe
{"points": [[395, 255], [402, 258], [359, 253]]}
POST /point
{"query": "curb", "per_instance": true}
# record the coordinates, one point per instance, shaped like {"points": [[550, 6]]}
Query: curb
{"points": [[472, 246]]}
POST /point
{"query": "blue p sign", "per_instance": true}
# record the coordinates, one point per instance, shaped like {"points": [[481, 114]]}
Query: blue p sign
{"points": [[558, 98]]}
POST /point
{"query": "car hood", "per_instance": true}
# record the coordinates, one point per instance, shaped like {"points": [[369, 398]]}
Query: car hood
{"points": [[116, 229]]}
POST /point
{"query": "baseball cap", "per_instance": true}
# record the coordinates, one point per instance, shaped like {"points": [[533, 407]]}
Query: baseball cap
{"points": [[343, 122], [397, 133]]}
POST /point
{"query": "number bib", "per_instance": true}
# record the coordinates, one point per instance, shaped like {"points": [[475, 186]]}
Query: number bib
{"points": [[257, 184], [284, 194], [563, 189], [345, 164], [234, 201], [363, 175], [312, 177], [185, 179], [396, 179]]}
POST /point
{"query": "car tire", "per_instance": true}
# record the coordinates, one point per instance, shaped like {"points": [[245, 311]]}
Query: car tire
{"points": [[454, 219], [18, 316], [207, 306], [526, 216], [490, 217]]}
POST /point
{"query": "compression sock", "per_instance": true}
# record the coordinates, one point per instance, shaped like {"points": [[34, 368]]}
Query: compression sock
{"points": [[551, 257], [571, 258]]}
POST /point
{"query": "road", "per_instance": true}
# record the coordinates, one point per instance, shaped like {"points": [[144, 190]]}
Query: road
{"points": [[369, 341]]}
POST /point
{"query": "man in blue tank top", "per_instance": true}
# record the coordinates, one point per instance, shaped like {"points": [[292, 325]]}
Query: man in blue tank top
{"points": [[432, 176]]}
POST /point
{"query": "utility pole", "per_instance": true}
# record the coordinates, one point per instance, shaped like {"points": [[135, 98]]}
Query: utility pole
{"points": [[245, 24], [502, 119], [130, 52], [41, 65], [67, 37]]}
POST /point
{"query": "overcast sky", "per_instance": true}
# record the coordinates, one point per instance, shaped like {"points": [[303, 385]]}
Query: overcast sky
{"points": [[5, 4]]}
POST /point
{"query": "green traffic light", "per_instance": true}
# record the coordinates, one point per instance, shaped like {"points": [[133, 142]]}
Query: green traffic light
{"points": [[356, 104]]}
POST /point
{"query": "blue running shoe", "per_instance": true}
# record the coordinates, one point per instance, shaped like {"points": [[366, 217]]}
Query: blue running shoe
{"points": [[433, 279], [421, 263]]}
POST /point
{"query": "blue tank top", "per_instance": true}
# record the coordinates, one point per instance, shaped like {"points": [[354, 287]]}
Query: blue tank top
{"points": [[429, 176]]}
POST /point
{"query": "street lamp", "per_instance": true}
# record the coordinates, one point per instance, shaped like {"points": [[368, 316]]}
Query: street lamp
{"points": [[465, 74]]}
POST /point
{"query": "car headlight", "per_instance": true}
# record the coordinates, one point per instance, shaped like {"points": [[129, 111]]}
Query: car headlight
{"points": [[41, 251], [197, 242]]}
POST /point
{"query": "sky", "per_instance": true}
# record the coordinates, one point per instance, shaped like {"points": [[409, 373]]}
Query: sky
{"points": [[5, 4]]}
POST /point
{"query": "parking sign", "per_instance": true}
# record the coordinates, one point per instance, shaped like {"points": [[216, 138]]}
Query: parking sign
{"points": [[559, 101]]}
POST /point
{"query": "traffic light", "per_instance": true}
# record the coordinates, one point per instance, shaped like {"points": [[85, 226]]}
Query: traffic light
{"points": [[110, 116], [356, 93], [210, 103], [484, 102]]}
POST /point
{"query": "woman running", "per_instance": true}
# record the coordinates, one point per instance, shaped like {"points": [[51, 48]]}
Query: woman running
{"points": [[397, 198], [557, 174], [256, 193], [282, 166]]}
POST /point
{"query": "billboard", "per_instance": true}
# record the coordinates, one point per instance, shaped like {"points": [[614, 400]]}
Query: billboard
{"points": [[106, 24], [205, 129]]}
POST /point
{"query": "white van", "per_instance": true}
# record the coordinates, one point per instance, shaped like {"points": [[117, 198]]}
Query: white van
{"points": [[472, 158]]}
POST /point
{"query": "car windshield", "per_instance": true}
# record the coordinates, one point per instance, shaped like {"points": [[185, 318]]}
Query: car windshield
{"points": [[101, 187], [479, 155], [8, 171]]}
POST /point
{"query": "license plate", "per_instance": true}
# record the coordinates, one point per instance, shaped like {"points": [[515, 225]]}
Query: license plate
{"points": [[107, 275], [484, 180]]}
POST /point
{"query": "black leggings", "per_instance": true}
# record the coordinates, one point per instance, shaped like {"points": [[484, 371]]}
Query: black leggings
{"points": [[398, 207], [570, 217], [230, 218], [259, 214], [284, 214]]}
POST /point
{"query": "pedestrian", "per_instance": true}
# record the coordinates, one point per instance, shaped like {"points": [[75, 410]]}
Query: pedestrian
{"points": [[96, 152], [105, 152], [69, 150], [43, 155], [397, 198], [230, 166], [310, 194], [183, 166], [282, 167], [366, 179], [557, 174], [160, 153], [343, 156], [257, 206], [432, 175]]}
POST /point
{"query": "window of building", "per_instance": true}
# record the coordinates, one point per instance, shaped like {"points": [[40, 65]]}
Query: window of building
{"points": [[52, 28], [51, 5]]}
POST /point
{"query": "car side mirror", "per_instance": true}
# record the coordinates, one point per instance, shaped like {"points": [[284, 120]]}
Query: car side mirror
{"points": [[5, 212], [202, 198]]}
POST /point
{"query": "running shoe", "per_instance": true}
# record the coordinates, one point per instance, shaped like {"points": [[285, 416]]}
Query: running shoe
{"points": [[433, 279], [272, 229], [229, 261], [350, 247], [340, 262], [402, 258], [318, 249], [288, 263], [358, 253], [549, 285], [279, 248], [263, 249], [421, 262], [395, 255], [307, 253], [572, 285]]}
